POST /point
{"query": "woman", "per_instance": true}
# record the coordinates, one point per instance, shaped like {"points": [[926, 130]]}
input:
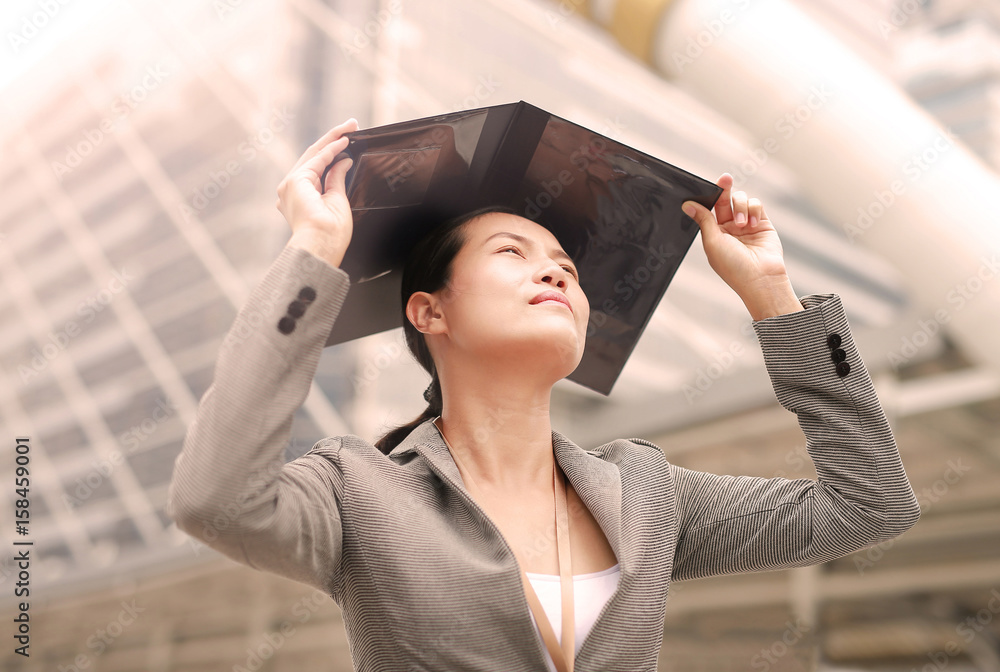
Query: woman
{"points": [[441, 542]]}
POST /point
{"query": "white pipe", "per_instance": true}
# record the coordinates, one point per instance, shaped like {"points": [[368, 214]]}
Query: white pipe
{"points": [[867, 156]]}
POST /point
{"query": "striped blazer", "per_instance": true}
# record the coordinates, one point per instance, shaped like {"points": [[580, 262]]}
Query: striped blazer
{"points": [[426, 581]]}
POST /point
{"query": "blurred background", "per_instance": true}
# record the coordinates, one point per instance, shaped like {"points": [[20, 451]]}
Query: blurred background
{"points": [[141, 146]]}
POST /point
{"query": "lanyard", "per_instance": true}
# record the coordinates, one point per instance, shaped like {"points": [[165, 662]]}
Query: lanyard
{"points": [[563, 658]]}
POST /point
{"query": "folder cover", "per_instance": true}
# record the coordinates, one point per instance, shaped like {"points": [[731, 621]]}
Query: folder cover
{"points": [[614, 209]]}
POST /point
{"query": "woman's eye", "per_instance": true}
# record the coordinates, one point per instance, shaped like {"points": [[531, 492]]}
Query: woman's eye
{"points": [[517, 251]]}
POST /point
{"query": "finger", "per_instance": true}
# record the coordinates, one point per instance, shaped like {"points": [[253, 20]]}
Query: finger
{"points": [[764, 222], [753, 210], [325, 156], [330, 136], [711, 232], [335, 132], [740, 208], [723, 207], [337, 177], [334, 136]]}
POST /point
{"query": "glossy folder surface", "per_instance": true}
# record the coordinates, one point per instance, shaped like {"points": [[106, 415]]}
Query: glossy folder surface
{"points": [[616, 210]]}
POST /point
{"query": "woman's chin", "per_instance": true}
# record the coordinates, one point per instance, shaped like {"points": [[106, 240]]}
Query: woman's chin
{"points": [[542, 349], [562, 355]]}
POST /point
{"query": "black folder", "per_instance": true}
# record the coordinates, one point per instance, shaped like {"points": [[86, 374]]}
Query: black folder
{"points": [[614, 209]]}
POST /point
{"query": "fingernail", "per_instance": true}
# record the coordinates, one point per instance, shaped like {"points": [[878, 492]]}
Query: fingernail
{"points": [[753, 220], [740, 218], [688, 210]]}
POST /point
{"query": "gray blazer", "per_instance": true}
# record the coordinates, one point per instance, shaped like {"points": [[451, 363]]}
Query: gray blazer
{"points": [[424, 578]]}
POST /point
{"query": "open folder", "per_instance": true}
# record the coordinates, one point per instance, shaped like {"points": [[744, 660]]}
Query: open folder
{"points": [[614, 209]]}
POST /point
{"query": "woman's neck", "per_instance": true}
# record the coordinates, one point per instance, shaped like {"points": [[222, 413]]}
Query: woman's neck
{"points": [[502, 434]]}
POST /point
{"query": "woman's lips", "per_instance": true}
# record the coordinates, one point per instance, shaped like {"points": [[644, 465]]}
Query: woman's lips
{"points": [[552, 297]]}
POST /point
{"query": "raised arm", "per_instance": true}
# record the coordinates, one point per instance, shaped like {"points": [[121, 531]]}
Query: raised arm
{"points": [[231, 488], [730, 524]]}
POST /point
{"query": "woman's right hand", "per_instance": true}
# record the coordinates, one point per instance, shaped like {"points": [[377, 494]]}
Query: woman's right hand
{"points": [[321, 223]]}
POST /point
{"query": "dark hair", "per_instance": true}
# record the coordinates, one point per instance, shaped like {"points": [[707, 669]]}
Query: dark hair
{"points": [[428, 269]]}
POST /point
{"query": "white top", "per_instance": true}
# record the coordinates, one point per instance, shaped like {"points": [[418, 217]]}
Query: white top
{"points": [[590, 593]]}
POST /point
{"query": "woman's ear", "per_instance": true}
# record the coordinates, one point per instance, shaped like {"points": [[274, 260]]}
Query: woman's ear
{"points": [[423, 310]]}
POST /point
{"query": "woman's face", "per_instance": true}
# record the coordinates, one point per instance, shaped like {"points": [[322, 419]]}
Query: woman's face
{"points": [[491, 309]]}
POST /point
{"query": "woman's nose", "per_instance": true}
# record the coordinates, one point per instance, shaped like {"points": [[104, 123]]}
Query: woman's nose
{"points": [[553, 271], [555, 275]]}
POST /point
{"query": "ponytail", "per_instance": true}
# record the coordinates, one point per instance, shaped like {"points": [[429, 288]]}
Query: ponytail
{"points": [[434, 407]]}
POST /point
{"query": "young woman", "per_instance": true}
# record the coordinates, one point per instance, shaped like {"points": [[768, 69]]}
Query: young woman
{"points": [[476, 537]]}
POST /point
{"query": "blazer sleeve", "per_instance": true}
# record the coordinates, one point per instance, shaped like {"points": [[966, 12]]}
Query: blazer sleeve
{"points": [[231, 488], [733, 524]]}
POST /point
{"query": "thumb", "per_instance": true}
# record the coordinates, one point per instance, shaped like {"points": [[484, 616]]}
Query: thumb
{"points": [[336, 178], [706, 221]]}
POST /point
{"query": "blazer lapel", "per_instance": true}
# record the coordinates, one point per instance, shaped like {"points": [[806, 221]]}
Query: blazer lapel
{"points": [[596, 481], [426, 440]]}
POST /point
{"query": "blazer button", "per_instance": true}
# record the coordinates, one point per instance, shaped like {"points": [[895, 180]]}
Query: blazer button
{"points": [[296, 309], [839, 356], [307, 294], [843, 368], [833, 340], [286, 325]]}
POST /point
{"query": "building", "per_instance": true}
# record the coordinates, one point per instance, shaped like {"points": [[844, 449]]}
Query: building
{"points": [[137, 211]]}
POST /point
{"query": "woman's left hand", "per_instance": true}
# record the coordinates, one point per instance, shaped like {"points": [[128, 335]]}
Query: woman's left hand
{"points": [[743, 248]]}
